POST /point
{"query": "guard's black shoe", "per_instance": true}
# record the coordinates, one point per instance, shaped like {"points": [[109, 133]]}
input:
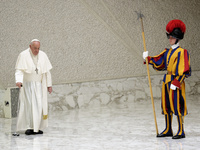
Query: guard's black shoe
{"points": [[29, 132], [164, 135], [178, 136], [39, 132]]}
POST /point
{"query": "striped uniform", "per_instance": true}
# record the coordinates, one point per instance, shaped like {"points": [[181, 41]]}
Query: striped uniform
{"points": [[177, 63]]}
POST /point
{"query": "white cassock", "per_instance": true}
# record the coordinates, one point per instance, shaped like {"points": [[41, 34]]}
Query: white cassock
{"points": [[34, 72]]}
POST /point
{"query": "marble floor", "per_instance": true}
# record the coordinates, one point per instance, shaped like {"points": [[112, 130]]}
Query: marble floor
{"points": [[126, 126]]}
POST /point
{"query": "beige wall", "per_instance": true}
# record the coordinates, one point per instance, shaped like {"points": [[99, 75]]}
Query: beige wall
{"points": [[90, 40]]}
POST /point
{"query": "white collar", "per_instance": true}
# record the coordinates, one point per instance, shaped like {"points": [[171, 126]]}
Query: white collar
{"points": [[175, 45]]}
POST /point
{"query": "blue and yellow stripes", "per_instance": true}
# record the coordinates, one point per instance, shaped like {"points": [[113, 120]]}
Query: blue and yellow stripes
{"points": [[157, 61], [177, 63], [180, 131], [168, 121], [173, 100]]}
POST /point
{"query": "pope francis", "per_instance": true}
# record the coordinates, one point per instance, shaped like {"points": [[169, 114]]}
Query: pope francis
{"points": [[33, 77]]}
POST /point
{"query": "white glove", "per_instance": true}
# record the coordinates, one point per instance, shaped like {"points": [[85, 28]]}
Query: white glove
{"points": [[173, 87], [145, 54]]}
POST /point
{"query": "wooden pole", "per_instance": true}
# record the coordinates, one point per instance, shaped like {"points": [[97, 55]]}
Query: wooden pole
{"points": [[147, 64]]}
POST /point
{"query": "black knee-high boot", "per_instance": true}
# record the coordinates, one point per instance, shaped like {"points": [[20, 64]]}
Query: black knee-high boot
{"points": [[180, 133], [168, 129]]}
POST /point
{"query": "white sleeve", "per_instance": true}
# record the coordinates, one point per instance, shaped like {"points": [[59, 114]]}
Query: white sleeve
{"points": [[19, 76], [49, 80]]}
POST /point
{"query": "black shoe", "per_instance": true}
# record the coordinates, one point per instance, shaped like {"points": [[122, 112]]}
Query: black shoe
{"points": [[39, 132], [164, 135], [29, 132], [178, 136]]}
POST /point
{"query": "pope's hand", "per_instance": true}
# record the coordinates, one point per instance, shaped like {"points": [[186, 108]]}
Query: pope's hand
{"points": [[49, 90], [145, 55], [19, 84]]}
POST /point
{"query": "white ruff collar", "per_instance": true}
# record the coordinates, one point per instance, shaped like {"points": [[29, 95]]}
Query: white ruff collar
{"points": [[175, 46]]}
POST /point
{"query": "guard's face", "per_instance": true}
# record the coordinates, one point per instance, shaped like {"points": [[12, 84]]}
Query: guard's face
{"points": [[35, 47], [172, 40]]}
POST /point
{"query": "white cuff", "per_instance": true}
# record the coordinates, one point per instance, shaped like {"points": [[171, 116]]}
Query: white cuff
{"points": [[19, 76], [173, 87]]}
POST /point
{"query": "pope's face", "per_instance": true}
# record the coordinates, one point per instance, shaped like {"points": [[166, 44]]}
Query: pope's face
{"points": [[35, 47], [172, 40]]}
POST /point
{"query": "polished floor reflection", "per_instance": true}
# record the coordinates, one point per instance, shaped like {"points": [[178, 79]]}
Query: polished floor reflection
{"points": [[124, 126]]}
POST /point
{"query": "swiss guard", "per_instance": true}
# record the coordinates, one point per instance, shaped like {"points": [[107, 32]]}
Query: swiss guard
{"points": [[176, 62]]}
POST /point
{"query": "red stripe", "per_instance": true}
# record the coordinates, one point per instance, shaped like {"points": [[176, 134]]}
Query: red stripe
{"points": [[157, 58], [187, 68]]}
